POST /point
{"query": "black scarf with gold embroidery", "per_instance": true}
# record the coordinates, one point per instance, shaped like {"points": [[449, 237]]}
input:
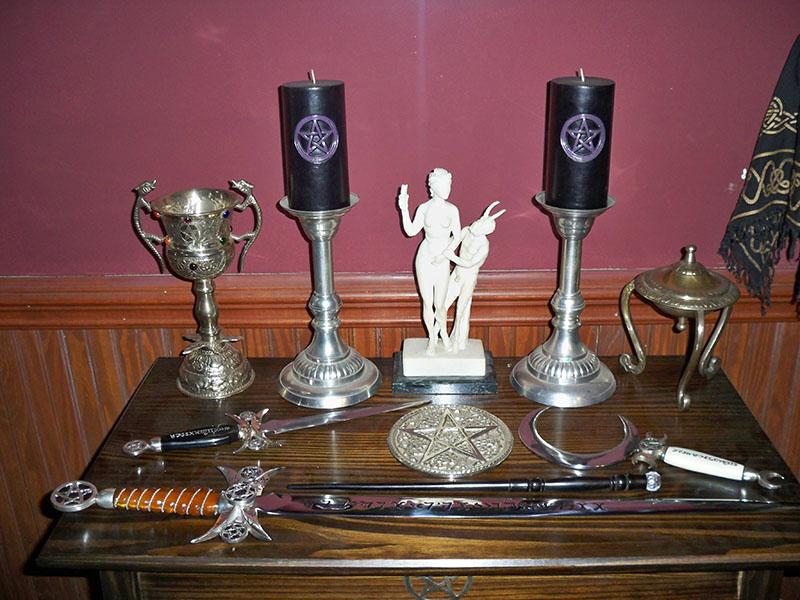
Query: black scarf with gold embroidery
{"points": [[766, 220]]}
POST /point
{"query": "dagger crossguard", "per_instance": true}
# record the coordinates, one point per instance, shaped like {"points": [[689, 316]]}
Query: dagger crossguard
{"points": [[238, 516], [253, 438], [650, 450], [235, 506]]}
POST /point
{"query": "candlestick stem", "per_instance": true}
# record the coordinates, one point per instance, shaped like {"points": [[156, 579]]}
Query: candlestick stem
{"points": [[563, 371], [327, 373]]}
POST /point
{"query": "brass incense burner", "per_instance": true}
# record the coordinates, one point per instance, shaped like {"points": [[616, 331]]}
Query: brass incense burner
{"points": [[685, 290]]}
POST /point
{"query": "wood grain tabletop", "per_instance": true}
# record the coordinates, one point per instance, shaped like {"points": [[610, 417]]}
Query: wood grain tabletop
{"points": [[717, 422]]}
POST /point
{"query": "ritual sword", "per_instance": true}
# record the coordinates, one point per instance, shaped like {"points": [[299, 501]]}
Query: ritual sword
{"points": [[237, 506], [248, 428]]}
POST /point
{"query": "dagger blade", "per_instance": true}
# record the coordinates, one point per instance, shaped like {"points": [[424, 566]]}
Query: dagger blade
{"points": [[252, 432], [276, 426]]}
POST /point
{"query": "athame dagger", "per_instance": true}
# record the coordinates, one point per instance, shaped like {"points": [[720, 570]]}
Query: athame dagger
{"points": [[248, 428], [237, 507]]}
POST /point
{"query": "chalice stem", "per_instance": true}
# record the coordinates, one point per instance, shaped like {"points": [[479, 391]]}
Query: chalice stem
{"points": [[205, 309]]}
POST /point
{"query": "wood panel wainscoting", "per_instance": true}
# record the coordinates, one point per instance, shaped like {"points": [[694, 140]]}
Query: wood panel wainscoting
{"points": [[75, 348]]}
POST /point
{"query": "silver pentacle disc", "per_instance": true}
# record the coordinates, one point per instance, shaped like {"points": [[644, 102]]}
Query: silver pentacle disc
{"points": [[450, 441]]}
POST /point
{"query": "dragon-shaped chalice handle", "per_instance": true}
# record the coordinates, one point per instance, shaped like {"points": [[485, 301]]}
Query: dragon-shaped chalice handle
{"points": [[199, 245]]}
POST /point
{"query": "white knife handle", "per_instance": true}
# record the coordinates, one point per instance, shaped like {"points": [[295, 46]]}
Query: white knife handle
{"points": [[700, 462]]}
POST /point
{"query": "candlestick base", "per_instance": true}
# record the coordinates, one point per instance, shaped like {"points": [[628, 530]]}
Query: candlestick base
{"points": [[313, 383], [566, 390], [563, 371], [328, 373]]}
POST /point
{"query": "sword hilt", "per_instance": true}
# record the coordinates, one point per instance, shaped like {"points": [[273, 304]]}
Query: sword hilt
{"points": [[235, 506], [193, 502], [74, 496]]}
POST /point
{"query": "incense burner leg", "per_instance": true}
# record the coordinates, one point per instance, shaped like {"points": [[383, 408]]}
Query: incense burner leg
{"points": [[709, 365], [626, 360], [699, 337]]}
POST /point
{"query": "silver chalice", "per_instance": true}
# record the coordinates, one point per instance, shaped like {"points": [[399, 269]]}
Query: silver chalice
{"points": [[199, 245]]}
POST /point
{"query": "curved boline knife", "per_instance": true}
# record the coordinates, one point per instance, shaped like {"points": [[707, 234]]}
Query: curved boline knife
{"points": [[252, 432], [237, 507]]}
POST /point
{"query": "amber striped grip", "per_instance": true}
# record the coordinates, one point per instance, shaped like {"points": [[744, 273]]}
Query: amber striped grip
{"points": [[195, 502]]}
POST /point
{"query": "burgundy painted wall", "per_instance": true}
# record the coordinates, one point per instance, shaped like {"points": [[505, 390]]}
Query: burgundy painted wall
{"points": [[98, 96]]}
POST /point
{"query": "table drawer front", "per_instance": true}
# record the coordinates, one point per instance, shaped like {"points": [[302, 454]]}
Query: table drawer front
{"points": [[675, 586]]}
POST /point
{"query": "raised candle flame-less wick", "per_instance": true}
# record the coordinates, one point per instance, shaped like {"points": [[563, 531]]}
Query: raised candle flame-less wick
{"points": [[580, 74], [312, 77]]}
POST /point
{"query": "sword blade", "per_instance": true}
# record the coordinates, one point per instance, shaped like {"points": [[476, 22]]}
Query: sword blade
{"points": [[407, 506], [276, 426]]}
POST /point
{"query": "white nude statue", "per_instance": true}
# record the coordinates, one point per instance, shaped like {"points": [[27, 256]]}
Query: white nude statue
{"points": [[442, 354], [439, 218]]}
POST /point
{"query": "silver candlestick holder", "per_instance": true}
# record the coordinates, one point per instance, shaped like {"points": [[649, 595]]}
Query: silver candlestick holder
{"points": [[327, 373], [563, 371]]}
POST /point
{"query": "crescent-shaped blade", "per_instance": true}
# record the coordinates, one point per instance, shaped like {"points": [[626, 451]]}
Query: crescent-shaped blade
{"points": [[573, 460]]}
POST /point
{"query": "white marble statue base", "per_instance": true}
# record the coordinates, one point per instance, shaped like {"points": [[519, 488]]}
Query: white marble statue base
{"points": [[469, 362]]}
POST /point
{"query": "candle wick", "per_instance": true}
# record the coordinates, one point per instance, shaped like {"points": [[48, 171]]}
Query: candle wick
{"points": [[312, 77], [580, 72]]}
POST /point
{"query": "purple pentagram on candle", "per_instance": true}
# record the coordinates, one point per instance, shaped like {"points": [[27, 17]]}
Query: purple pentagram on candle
{"points": [[583, 137], [316, 138]]}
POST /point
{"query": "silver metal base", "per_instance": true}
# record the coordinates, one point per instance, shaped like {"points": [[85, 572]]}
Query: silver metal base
{"points": [[329, 384], [564, 394], [215, 374]]}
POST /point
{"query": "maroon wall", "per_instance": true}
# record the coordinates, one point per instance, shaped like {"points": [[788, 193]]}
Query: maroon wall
{"points": [[98, 96]]}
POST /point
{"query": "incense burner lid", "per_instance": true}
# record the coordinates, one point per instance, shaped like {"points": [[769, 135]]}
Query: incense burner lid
{"points": [[686, 286]]}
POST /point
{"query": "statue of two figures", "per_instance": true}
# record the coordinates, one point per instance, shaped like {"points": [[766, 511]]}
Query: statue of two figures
{"points": [[443, 354]]}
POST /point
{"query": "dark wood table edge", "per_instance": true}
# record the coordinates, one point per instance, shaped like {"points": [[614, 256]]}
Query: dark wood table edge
{"points": [[405, 566]]}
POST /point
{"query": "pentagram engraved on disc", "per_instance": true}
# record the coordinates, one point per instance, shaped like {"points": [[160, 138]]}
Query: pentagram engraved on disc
{"points": [[316, 138], [450, 441], [583, 137]]}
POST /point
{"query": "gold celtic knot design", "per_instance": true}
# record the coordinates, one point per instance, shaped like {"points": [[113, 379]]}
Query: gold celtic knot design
{"points": [[431, 588], [777, 119], [779, 177]]}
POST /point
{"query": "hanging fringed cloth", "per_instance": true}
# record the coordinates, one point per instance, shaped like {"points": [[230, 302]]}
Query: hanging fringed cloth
{"points": [[766, 220]]}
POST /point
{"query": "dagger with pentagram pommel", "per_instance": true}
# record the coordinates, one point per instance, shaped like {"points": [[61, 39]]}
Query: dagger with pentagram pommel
{"points": [[248, 428], [237, 506]]}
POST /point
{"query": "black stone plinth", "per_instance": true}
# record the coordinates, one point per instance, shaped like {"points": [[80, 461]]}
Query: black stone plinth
{"points": [[443, 385]]}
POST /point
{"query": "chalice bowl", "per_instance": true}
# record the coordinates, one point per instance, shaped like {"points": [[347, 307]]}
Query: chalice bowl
{"points": [[199, 245]]}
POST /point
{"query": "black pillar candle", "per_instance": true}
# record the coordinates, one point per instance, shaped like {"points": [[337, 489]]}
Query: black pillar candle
{"points": [[579, 112], [314, 145]]}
